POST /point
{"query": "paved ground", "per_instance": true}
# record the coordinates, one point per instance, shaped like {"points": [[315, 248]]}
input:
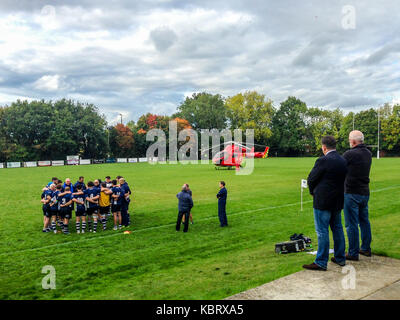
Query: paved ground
{"points": [[376, 278]]}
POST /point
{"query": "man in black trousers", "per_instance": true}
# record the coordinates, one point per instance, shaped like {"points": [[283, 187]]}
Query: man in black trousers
{"points": [[184, 206], [222, 195], [326, 185]]}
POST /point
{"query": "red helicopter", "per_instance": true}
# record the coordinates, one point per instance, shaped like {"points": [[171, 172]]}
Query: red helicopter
{"points": [[233, 154]]}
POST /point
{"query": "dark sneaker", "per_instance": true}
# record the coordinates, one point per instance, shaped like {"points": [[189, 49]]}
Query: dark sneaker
{"points": [[342, 264], [313, 266], [351, 258], [366, 253]]}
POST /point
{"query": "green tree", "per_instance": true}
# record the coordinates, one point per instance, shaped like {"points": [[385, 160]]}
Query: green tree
{"points": [[50, 130], [320, 123], [251, 110], [289, 127], [203, 111], [121, 141], [390, 134]]}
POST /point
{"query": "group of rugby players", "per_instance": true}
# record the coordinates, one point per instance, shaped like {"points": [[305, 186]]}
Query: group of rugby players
{"points": [[95, 201]]}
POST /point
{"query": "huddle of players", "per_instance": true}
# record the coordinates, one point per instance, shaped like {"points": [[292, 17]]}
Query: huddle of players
{"points": [[93, 201]]}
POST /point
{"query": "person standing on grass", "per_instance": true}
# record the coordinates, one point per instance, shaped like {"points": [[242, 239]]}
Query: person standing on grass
{"points": [[80, 182], [356, 196], [46, 198], [54, 207], [68, 183], [221, 196], [126, 221], [190, 213], [66, 203], [185, 205], [92, 197], [326, 185], [109, 186], [117, 196], [104, 203], [54, 181], [80, 212]]}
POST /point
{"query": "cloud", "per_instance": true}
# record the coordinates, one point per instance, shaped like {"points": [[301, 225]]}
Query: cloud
{"points": [[134, 57], [163, 38], [47, 83]]}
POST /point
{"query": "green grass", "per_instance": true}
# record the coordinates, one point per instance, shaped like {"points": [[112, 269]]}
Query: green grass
{"points": [[155, 262]]}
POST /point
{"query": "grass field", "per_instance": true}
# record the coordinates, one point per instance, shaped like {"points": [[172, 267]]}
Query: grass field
{"points": [[155, 262]]}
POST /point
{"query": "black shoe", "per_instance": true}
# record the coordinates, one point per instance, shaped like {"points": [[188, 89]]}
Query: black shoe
{"points": [[313, 266], [351, 258], [366, 253], [342, 264]]}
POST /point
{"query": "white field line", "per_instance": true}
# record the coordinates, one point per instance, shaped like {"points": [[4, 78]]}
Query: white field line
{"points": [[170, 225]]}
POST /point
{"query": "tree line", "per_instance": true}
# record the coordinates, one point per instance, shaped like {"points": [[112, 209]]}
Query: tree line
{"points": [[47, 130]]}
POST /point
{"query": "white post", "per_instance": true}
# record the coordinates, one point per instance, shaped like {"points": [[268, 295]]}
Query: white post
{"points": [[303, 185], [301, 201]]}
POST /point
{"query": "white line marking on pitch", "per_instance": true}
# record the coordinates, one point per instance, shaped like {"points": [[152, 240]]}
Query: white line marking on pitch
{"points": [[169, 225]]}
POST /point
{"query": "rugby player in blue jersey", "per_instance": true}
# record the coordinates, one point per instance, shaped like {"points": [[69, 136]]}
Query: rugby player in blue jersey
{"points": [[46, 198], [66, 204], [92, 197], [80, 212], [117, 197]]}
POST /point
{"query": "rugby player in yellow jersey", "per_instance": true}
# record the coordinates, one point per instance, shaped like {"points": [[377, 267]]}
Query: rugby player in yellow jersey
{"points": [[104, 203]]}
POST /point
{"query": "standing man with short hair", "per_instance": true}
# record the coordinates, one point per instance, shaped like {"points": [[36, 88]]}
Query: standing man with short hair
{"points": [[68, 183], [326, 185], [92, 196], [79, 198], [185, 205], [80, 182], [117, 196], [66, 203], [126, 221], [356, 196], [222, 195]]}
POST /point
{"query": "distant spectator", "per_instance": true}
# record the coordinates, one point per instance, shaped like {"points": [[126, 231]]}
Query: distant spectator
{"points": [[222, 196], [185, 205]]}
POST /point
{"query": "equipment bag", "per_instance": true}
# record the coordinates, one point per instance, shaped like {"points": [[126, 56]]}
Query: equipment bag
{"points": [[290, 246]]}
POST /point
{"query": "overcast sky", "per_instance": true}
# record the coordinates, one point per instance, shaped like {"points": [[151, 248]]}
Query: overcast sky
{"points": [[134, 57]]}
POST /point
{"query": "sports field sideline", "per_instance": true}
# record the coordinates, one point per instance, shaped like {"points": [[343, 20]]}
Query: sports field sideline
{"points": [[154, 261]]}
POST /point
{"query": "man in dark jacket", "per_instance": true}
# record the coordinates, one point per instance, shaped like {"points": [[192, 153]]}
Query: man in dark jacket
{"points": [[356, 196], [80, 182], [326, 185], [184, 206], [222, 195]]}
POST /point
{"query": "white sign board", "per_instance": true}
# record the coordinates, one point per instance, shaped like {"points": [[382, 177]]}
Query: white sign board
{"points": [[13, 164], [132, 160], [44, 163], [72, 160], [84, 161], [121, 160], [303, 185], [142, 159], [30, 164], [1, 165], [57, 163]]}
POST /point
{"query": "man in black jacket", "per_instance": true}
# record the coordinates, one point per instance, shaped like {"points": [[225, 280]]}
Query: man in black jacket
{"points": [[356, 196], [326, 185], [184, 206]]}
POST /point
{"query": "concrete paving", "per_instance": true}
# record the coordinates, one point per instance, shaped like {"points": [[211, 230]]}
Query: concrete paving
{"points": [[374, 278]]}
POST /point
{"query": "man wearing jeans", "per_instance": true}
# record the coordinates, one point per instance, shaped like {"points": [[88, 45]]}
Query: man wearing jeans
{"points": [[326, 185], [185, 205], [356, 196]]}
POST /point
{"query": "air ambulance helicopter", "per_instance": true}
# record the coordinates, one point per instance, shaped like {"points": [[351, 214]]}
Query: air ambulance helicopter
{"points": [[233, 154]]}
